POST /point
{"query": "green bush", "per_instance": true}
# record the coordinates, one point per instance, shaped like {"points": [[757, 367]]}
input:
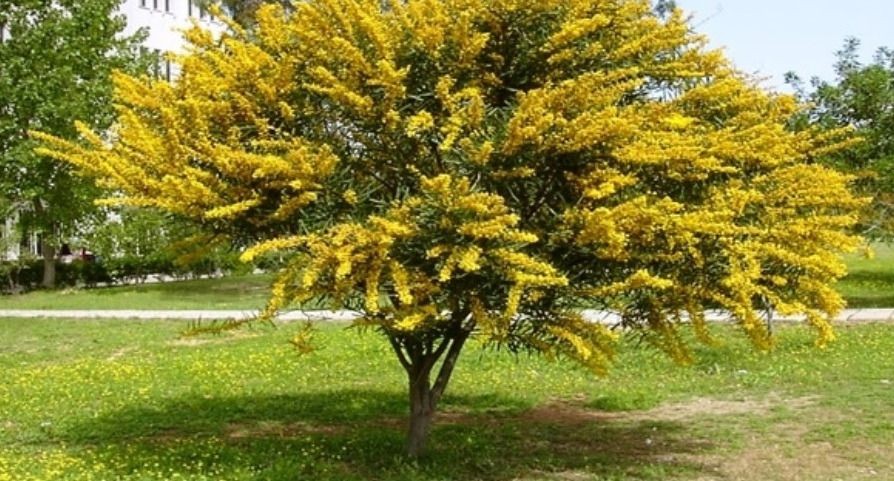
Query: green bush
{"points": [[27, 274]]}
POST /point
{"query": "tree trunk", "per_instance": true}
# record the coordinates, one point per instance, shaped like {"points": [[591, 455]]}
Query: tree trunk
{"points": [[49, 263], [422, 412], [47, 249], [419, 362]]}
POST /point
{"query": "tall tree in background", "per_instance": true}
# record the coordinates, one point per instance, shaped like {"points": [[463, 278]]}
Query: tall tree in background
{"points": [[861, 97], [452, 168], [243, 11], [56, 60], [665, 7]]}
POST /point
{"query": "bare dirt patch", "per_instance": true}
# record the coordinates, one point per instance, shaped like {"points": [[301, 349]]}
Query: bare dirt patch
{"points": [[786, 452], [781, 452], [559, 476], [119, 353], [704, 406], [224, 338], [796, 460], [275, 429], [569, 413], [191, 342]]}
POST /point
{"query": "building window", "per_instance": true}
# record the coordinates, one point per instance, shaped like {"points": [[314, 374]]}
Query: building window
{"points": [[143, 3], [189, 7], [155, 4], [30, 244], [156, 67], [168, 6]]}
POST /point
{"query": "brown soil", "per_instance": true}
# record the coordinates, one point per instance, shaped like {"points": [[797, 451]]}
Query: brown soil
{"points": [[272, 429], [780, 461], [224, 338], [565, 413]]}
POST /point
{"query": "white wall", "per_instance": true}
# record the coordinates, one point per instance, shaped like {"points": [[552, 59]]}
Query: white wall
{"points": [[164, 19], [9, 239]]}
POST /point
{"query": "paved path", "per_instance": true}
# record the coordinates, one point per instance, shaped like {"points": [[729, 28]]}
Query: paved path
{"points": [[848, 315]]}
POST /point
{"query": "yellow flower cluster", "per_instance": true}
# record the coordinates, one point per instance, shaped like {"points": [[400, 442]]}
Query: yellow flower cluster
{"points": [[477, 235]]}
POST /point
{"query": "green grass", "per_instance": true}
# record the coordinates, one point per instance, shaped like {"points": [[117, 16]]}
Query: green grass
{"points": [[870, 282], [127, 400], [235, 292]]}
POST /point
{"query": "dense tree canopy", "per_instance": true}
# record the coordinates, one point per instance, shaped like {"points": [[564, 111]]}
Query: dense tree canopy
{"points": [[487, 167], [242, 11], [56, 60], [861, 97]]}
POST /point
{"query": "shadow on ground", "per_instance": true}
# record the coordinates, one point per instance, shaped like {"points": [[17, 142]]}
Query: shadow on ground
{"points": [[869, 288], [360, 435]]}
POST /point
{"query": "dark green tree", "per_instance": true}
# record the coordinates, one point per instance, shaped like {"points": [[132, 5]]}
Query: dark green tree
{"points": [[861, 96], [665, 7], [135, 242], [243, 11], [56, 60]]}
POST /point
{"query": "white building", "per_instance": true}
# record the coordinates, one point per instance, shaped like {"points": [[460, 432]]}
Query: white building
{"points": [[12, 243], [164, 21]]}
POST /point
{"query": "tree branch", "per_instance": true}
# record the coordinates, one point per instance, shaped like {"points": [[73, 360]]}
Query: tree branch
{"points": [[433, 357], [542, 195], [400, 353], [447, 367]]}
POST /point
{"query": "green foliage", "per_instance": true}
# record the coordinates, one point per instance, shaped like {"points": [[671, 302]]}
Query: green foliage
{"points": [[55, 67], [139, 242], [27, 274], [862, 97], [665, 7], [242, 11]]}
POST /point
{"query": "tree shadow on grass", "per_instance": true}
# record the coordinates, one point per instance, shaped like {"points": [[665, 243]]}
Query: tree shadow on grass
{"points": [[359, 434], [869, 288]]}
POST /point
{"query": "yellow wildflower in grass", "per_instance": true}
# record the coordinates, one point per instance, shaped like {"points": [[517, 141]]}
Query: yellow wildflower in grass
{"points": [[611, 160]]}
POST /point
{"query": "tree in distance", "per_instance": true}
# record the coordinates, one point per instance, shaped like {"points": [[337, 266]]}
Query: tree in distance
{"points": [[451, 168], [241, 11], [862, 98], [56, 61]]}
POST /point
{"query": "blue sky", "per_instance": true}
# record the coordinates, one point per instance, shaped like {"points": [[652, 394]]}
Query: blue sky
{"points": [[774, 36]]}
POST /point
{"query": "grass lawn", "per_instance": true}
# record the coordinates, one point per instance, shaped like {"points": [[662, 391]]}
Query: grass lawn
{"points": [[235, 292], [127, 400], [870, 282]]}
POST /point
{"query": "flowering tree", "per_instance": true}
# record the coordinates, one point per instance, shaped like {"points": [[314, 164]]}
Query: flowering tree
{"points": [[460, 167]]}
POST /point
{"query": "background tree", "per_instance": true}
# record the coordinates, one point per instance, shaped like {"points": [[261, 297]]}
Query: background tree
{"points": [[133, 243], [485, 167], [243, 11], [56, 60], [665, 7], [860, 97]]}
